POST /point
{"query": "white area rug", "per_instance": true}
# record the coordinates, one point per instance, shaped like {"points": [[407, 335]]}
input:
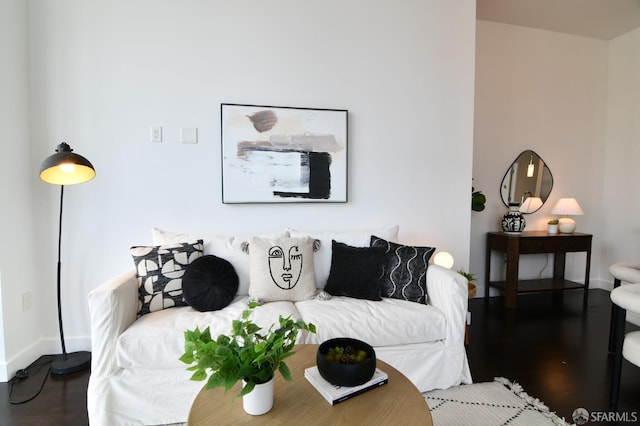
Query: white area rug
{"points": [[500, 402]]}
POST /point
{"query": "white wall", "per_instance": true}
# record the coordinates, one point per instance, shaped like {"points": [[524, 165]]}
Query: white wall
{"points": [[20, 329], [547, 92], [103, 72], [621, 200]]}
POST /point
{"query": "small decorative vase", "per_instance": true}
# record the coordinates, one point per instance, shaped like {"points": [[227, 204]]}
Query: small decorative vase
{"points": [[260, 400], [513, 221], [552, 228]]}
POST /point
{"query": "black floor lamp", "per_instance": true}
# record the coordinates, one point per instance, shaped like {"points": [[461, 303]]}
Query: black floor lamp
{"points": [[66, 168]]}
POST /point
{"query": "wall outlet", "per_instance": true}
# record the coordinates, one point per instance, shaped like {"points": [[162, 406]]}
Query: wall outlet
{"points": [[26, 301]]}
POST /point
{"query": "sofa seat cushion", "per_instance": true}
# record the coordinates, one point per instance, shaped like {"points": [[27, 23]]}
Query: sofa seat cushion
{"points": [[382, 323], [156, 340]]}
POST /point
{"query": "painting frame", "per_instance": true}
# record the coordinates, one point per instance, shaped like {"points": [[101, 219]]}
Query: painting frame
{"points": [[281, 154]]}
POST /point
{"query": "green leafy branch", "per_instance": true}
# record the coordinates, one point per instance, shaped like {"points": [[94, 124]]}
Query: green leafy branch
{"points": [[246, 354]]}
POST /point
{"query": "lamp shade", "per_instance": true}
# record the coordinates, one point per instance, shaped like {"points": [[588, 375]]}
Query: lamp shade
{"points": [[66, 168], [531, 204], [443, 259], [567, 206]]}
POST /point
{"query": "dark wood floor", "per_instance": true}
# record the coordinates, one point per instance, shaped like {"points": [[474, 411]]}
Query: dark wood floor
{"points": [[63, 400], [556, 351], [554, 348]]}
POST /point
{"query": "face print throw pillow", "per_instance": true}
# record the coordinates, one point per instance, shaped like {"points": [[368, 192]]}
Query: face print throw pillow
{"points": [[281, 269]]}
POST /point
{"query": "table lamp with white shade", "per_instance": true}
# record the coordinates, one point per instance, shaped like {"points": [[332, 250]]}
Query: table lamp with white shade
{"points": [[530, 205], [567, 207]]}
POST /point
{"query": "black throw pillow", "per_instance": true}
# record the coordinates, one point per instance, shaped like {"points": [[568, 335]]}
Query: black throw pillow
{"points": [[355, 271], [405, 274], [209, 283]]}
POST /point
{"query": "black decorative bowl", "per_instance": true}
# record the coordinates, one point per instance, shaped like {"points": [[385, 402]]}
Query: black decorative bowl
{"points": [[339, 374]]}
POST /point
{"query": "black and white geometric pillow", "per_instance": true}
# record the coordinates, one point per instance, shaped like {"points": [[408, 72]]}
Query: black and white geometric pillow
{"points": [[159, 270], [405, 273]]}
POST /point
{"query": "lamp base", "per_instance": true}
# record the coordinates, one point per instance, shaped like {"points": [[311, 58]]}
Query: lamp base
{"points": [[75, 361], [566, 225]]}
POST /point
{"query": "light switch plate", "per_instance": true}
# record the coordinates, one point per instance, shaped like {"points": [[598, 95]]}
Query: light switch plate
{"points": [[189, 135], [156, 133]]}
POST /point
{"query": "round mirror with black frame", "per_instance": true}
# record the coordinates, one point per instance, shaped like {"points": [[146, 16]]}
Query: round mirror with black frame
{"points": [[527, 182]]}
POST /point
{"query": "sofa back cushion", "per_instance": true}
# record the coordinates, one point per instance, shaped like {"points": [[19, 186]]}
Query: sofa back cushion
{"points": [[226, 247], [354, 238]]}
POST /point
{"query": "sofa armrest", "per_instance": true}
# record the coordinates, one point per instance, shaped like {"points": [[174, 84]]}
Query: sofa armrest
{"points": [[112, 307], [448, 292]]}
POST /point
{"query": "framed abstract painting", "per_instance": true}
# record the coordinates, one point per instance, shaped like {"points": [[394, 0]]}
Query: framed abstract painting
{"points": [[283, 154]]}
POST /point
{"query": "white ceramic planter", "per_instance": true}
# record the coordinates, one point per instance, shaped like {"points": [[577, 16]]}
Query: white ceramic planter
{"points": [[260, 399], [552, 229]]}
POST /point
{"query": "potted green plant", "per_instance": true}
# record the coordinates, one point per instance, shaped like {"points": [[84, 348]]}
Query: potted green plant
{"points": [[471, 278], [552, 226], [478, 199], [246, 354]]}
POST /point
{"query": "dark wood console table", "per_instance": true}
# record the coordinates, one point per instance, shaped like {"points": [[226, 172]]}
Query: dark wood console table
{"points": [[535, 242]]}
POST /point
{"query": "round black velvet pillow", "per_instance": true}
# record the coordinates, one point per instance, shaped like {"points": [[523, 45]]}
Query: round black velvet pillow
{"points": [[209, 283]]}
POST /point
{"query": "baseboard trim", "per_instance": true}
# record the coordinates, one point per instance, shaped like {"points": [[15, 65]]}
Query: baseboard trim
{"points": [[25, 357], [34, 351]]}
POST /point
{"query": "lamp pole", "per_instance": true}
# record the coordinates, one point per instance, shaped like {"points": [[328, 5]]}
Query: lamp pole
{"points": [[76, 361], [64, 349]]}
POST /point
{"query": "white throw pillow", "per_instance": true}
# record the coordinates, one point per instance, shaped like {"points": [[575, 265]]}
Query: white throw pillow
{"points": [[281, 269], [354, 238]]}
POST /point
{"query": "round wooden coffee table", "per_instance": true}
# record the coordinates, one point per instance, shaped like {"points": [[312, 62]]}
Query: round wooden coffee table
{"points": [[298, 402]]}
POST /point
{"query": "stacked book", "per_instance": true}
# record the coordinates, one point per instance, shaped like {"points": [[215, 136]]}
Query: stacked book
{"points": [[335, 394]]}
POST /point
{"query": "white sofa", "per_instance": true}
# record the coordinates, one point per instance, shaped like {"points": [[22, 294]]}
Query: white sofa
{"points": [[136, 376]]}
